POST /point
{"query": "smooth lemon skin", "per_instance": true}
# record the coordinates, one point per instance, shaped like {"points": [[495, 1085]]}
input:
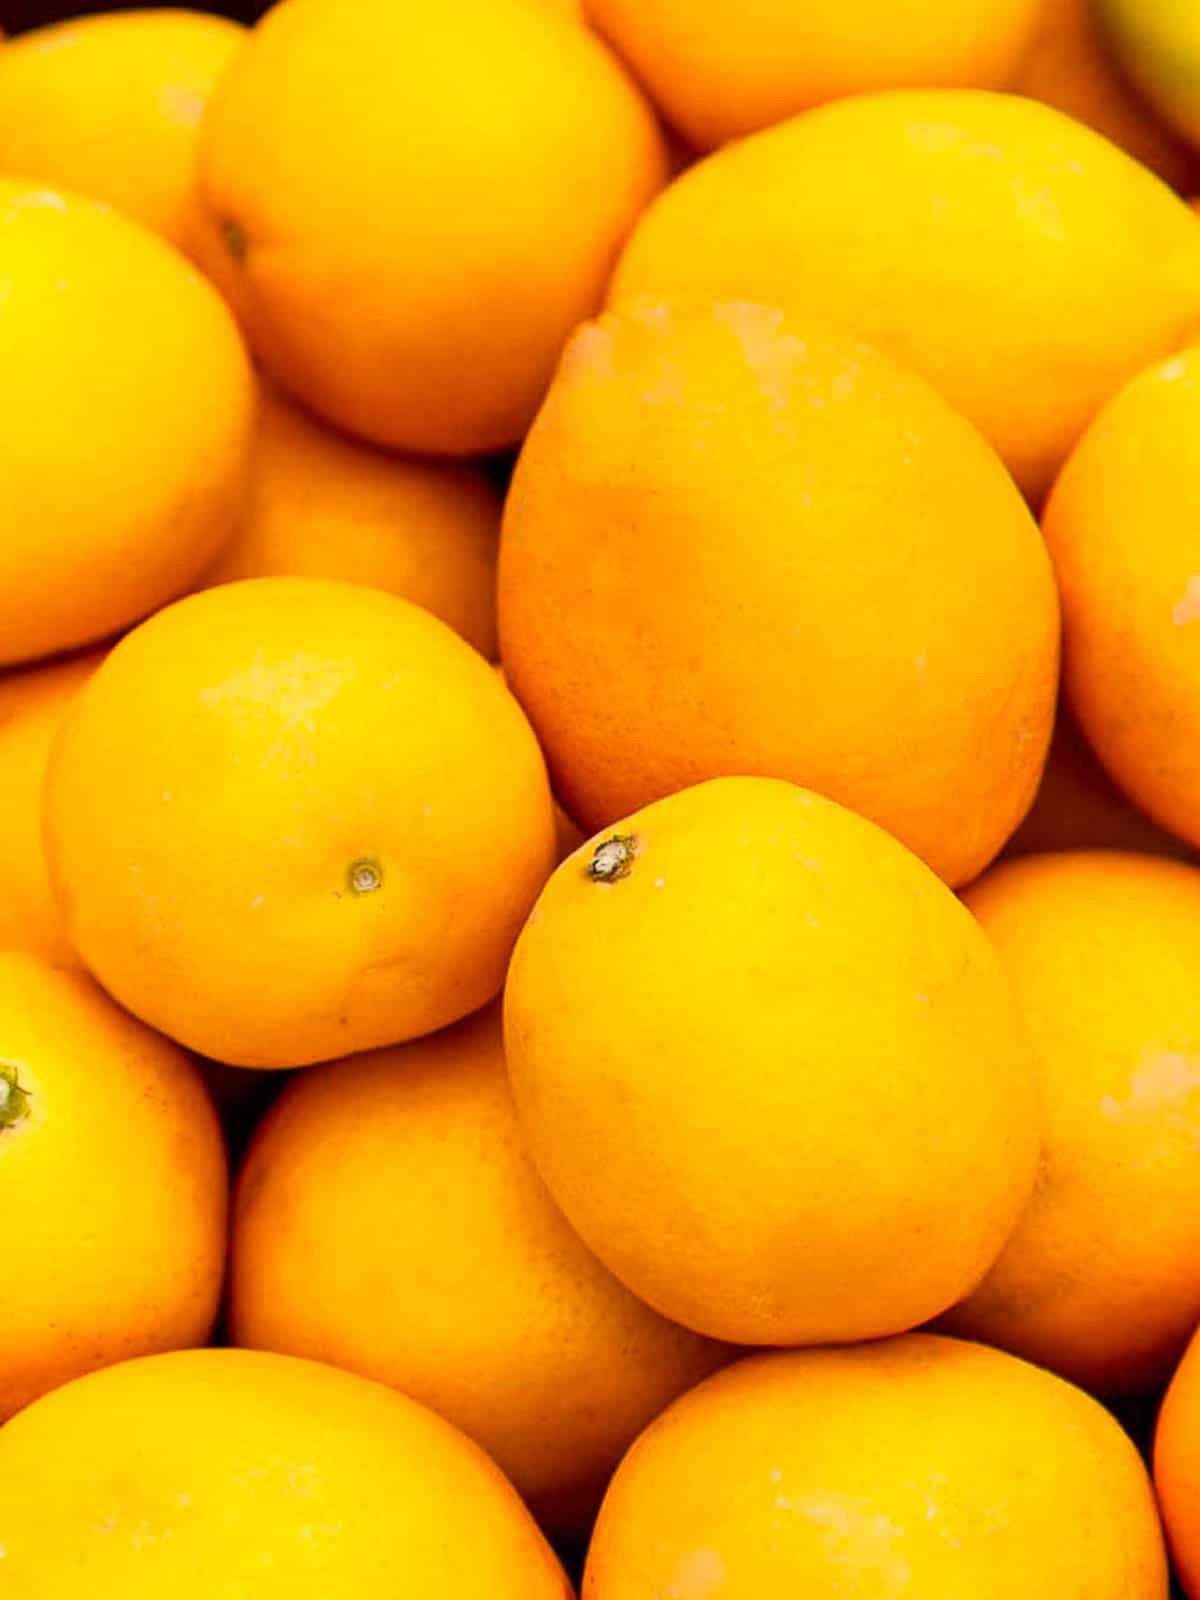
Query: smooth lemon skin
{"points": [[128, 424], [755, 1047], [289, 818], [725, 69], [416, 204], [110, 106], [389, 1219], [1017, 260], [213, 1474], [112, 1157], [916, 1466]]}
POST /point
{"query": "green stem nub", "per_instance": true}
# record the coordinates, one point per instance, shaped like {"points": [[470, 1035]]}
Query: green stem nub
{"points": [[364, 876], [612, 858], [14, 1101]]}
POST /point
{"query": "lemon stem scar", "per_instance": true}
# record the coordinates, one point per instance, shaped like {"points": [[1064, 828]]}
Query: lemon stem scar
{"points": [[235, 239], [612, 858], [14, 1101], [364, 876]]}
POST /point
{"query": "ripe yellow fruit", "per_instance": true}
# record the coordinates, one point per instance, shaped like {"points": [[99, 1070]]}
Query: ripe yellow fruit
{"points": [[127, 424], [1177, 1467], [1098, 1280], [33, 703], [215, 1473], [110, 106], [1157, 43], [1069, 66], [1121, 530], [321, 505], [419, 203], [389, 1220], [921, 1466], [730, 67], [289, 818], [112, 1171], [1078, 807], [1013, 257], [770, 1068], [738, 543]]}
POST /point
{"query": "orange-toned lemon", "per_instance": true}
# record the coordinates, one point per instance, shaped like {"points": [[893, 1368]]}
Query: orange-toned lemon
{"points": [[227, 1472], [389, 1221], [112, 1172], [289, 818], [420, 203], [322, 505], [921, 1466], [742, 543], [127, 425], [1121, 529], [770, 1068], [1177, 1467], [33, 702], [1016, 259], [110, 106], [730, 67], [1099, 1280], [1078, 807], [1069, 66]]}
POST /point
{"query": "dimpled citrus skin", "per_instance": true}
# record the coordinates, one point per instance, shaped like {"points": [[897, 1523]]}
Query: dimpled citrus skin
{"points": [[1121, 530], [1177, 1467], [1078, 807], [321, 505], [389, 1221], [725, 69], [33, 702], [772, 1073], [128, 435], [291, 818], [421, 211], [113, 1179], [920, 1467], [219, 1474], [1016, 259], [1098, 1281], [1068, 66], [739, 543], [110, 106]]}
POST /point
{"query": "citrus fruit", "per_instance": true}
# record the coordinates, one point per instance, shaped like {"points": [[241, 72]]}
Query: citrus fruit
{"points": [[1078, 807], [1068, 65], [222, 1473], [112, 1175], [420, 202], [322, 505], [1120, 527], [722, 70], [110, 106], [1017, 260], [770, 1068], [1157, 43], [917, 1466], [389, 1221], [128, 424], [290, 818], [1177, 1467], [742, 543], [1099, 1280], [33, 701]]}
